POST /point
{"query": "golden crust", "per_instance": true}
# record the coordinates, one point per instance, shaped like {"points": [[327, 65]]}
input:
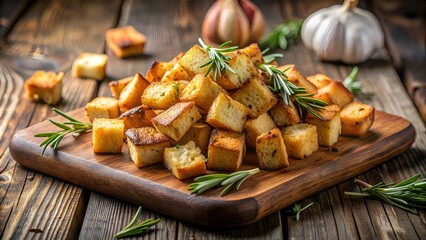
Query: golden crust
{"points": [[327, 114], [125, 41], [145, 136], [42, 79], [167, 117]]}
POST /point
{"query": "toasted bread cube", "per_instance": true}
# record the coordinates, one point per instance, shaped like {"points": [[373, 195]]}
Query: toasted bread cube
{"points": [[45, 86], [107, 135], [130, 97], [161, 95], [102, 107], [146, 146], [256, 96], [226, 150], [244, 68], [319, 80], [297, 78], [198, 133], [226, 113], [193, 59], [177, 120], [255, 127], [117, 86], [271, 151], [176, 58], [90, 65], [175, 74], [301, 140], [185, 161], [284, 115], [335, 93], [254, 53], [328, 127], [137, 117], [356, 119], [202, 90], [125, 41], [157, 70]]}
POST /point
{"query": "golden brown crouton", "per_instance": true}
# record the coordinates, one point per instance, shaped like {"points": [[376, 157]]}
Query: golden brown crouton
{"points": [[161, 95], [254, 127], [185, 161], [335, 93], [319, 80], [256, 96], [202, 90], [356, 119], [130, 97], [107, 135], [301, 140], [146, 146], [199, 133], [226, 150], [89, 65], [137, 117], [175, 74], [226, 113], [125, 41], [193, 59], [297, 78], [244, 70], [285, 115], [45, 86], [117, 86], [177, 120], [157, 70], [271, 151], [328, 127], [254, 53], [102, 107]]}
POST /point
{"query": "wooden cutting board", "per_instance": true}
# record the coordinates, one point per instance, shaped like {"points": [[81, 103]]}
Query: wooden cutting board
{"points": [[156, 188]]}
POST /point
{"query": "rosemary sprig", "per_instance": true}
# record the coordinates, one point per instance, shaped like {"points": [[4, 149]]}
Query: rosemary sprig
{"points": [[227, 181], [218, 61], [132, 229], [54, 138], [355, 86], [409, 194], [297, 209], [282, 35], [285, 88]]}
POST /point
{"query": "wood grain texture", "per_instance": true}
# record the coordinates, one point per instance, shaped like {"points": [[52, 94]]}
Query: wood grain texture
{"points": [[30, 200], [154, 187]]}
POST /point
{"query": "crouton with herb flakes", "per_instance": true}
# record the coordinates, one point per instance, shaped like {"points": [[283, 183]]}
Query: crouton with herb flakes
{"points": [[226, 150], [271, 151], [185, 161], [356, 119]]}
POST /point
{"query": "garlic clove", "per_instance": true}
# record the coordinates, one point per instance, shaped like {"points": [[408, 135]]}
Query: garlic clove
{"points": [[210, 23], [231, 20], [325, 44]]}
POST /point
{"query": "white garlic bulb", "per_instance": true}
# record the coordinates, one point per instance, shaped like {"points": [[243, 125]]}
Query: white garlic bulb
{"points": [[343, 32]]}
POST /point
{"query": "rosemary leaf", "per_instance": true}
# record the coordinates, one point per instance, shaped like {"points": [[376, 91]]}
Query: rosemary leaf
{"points": [[408, 195], [227, 181], [297, 209], [282, 35], [218, 62], [53, 139], [133, 229], [355, 86]]}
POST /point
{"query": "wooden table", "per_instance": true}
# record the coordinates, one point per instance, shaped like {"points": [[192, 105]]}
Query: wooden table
{"points": [[33, 205]]}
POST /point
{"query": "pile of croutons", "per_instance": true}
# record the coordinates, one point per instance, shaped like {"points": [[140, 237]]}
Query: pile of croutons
{"points": [[190, 122]]}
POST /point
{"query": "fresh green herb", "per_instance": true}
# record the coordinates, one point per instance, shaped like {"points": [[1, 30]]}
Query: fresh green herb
{"points": [[287, 89], [162, 94], [355, 86], [282, 35], [297, 209], [176, 87], [218, 61], [206, 182], [177, 146], [132, 229], [54, 138], [409, 194]]}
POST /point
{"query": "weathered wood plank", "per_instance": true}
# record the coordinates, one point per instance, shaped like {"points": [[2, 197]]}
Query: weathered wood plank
{"points": [[30, 200], [362, 218]]}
